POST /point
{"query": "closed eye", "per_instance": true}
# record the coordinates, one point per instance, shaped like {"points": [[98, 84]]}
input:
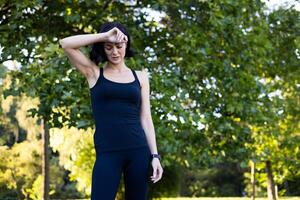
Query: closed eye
{"points": [[109, 47]]}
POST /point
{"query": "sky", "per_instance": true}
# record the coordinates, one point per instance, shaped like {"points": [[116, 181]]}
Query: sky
{"points": [[275, 3]]}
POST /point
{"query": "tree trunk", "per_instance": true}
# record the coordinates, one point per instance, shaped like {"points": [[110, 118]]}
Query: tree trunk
{"points": [[271, 186], [20, 195], [253, 179], [287, 188], [45, 169]]}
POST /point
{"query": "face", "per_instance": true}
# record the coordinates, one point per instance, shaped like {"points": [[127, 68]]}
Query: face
{"points": [[115, 52]]}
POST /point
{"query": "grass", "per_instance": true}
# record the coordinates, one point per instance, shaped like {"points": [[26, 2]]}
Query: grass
{"points": [[222, 198], [227, 198]]}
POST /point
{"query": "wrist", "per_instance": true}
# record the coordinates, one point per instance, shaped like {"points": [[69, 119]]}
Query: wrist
{"points": [[155, 155], [103, 37]]}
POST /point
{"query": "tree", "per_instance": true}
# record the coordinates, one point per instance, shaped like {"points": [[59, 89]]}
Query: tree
{"points": [[205, 61]]}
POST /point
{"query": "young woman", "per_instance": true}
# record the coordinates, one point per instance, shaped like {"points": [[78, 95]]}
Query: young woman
{"points": [[124, 138]]}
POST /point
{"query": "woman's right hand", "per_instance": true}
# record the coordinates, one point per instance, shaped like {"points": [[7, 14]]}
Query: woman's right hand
{"points": [[115, 36]]}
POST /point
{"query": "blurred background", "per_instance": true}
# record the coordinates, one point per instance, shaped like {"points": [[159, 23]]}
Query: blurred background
{"points": [[225, 96]]}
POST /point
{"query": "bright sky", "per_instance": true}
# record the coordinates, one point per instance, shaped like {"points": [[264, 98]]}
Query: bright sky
{"points": [[275, 3]]}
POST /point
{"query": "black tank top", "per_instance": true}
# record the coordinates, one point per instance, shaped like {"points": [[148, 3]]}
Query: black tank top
{"points": [[116, 111]]}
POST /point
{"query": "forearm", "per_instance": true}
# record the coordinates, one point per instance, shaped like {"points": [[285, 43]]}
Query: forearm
{"points": [[150, 135], [77, 41]]}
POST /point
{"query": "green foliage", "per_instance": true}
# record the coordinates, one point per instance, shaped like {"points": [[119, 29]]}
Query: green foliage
{"points": [[222, 180], [214, 66], [275, 131], [76, 154], [35, 191], [19, 167]]}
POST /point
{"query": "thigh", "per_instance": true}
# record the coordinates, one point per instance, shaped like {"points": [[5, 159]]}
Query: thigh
{"points": [[106, 175], [136, 173]]}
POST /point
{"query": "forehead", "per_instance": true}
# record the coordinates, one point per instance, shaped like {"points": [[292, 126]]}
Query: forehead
{"points": [[113, 43]]}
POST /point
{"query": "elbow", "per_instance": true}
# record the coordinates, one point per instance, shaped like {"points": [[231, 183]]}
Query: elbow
{"points": [[146, 121], [66, 45], [62, 43]]}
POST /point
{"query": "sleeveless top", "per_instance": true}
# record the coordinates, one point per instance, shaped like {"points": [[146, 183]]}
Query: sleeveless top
{"points": [[116, 112]]}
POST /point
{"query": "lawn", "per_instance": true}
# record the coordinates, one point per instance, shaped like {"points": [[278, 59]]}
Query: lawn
{"points": [[228, 198]]}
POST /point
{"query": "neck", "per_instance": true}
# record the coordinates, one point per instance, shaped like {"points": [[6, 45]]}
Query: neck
{"points": [[116, 67]]}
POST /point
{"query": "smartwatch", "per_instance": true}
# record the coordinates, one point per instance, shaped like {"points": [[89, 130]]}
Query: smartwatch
{"points": [[154, 155]]}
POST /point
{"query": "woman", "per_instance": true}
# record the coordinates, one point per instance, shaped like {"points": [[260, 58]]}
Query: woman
{"points": [[124, 138]]}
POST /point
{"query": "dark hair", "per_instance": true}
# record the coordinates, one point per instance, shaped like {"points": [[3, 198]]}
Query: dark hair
{"points": [[97, 53]]}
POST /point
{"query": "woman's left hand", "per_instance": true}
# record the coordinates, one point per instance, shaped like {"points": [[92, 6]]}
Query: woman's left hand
{"points": [[157, 170]]}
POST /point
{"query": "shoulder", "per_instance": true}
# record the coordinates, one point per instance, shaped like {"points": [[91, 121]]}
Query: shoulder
{"points": [[143, 76]]}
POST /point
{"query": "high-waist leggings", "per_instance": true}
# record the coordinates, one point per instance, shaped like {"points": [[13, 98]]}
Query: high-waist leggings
{"points": [[134, 163]]}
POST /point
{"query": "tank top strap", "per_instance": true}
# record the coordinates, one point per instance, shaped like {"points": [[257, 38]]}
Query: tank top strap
{"points": [[134, 74], [136, 78]]}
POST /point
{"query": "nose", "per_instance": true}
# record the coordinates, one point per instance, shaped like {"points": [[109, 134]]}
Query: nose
{"points": [[115, 50]]}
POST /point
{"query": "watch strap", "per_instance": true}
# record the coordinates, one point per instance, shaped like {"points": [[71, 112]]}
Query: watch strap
{"points": [[155, 155]]}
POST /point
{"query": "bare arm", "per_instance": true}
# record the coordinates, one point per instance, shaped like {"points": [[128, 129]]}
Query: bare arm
{"points": [[71, 47], [87, 67], [148, 126], [146, 117], [77, 41]]}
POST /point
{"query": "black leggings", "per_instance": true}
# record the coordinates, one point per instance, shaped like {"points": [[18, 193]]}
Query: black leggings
{"points": [[107, 170]]}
